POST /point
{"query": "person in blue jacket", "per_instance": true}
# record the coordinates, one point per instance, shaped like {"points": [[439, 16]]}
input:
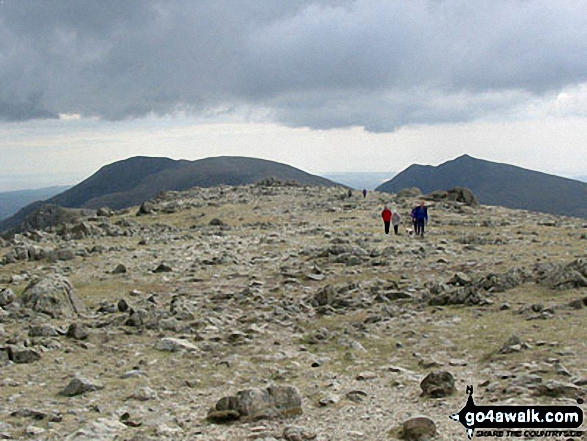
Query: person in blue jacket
{"points": [[421, 217]]}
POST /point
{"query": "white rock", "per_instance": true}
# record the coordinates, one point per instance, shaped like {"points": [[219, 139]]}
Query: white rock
{"points": [[173, 344]]}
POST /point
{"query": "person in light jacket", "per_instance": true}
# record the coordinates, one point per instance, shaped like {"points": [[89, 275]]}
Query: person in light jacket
{"points": [[395, 220]]}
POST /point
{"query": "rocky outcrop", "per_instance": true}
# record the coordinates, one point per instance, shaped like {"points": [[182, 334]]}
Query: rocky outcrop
{"points": [[438, 384], [257, 404], [456, 194], [53, 295]]}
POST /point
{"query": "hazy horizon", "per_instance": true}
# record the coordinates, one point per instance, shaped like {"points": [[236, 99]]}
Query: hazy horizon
{"points": [[7, 186]]}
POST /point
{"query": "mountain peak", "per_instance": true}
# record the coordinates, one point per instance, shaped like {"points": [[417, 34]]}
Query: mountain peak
{"points": [[497, 184], [465, 157]]}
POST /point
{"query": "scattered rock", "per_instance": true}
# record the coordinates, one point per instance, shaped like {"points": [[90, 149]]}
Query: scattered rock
{"points": [[513, 344], [6, 297], [557, 389], [77, 331], [411, 192], [144, 393], [146, 208], [438, 384], [163, 268], [53, 295], [22, 355], [418, 429], [365, 376], [37, 415], [356, 396], [172, 344], [460, 279], [293, 433], [102, 429], [79, 386], [256, 404], [571, 276], [122, 305], [44, 330], [119, 269]]}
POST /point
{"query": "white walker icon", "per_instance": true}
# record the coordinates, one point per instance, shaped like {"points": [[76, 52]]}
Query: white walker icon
{"points": [[461, 415]]}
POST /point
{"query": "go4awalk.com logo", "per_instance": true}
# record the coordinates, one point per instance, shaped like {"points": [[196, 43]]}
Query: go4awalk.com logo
{"points": [[513, 421]]}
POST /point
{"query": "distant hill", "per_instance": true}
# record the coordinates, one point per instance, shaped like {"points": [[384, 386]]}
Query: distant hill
{"points": [[497, 184], [360, 180], [581, 178], [131, 181], [12, 201]]}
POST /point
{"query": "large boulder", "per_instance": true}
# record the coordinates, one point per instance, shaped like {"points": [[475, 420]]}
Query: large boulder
{"points": [[438, 384], [257, 404], [6, 296], [457, 194], [411, 192], [418, 429], [79, 386], [573, 275], [464, 195], [53, 295]]}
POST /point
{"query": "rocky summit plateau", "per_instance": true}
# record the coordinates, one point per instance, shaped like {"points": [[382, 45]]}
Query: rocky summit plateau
{"points": [[275, 311]]}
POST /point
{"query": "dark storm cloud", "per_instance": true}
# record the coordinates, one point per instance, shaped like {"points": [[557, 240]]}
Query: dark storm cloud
{"points": [[374, 63]]}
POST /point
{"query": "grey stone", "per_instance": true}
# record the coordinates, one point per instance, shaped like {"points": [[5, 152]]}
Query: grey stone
{"points": [[356, 396], [256, 404], [146, 208], [104, 212], [513, 344], [4, 358], [576, 304], [122, 305], [460, 279], [37, 415], [438, 384], [294, 433], [79, 386], [418, 429], [53, 295], [163, 268], [119, 269], [22, 355], [172, 344], [409, 192], [77, 331], [44, 330], [102, 429], [6, 297], [557, 389], [144, 393]]}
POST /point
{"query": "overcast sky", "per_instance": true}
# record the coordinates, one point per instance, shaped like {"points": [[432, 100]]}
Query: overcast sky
{"points": [[324, 85]]}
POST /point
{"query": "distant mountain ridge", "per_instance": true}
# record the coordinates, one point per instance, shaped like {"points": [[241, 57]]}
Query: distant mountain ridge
{"points": [[132, 181], [497, 184], [360, 180], [12, 201]]}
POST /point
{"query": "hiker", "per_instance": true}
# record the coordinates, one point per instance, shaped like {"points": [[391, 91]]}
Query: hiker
{"points": [[413, 217], [421, 216], [395, 218], [350, 193], [364, 192], [386, 215]]}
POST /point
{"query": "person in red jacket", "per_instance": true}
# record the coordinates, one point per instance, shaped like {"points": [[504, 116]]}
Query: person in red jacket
{"points": [[386, 215]]}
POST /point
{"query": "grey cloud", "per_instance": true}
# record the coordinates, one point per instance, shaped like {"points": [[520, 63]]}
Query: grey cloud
{"points": [[375, 63]]}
